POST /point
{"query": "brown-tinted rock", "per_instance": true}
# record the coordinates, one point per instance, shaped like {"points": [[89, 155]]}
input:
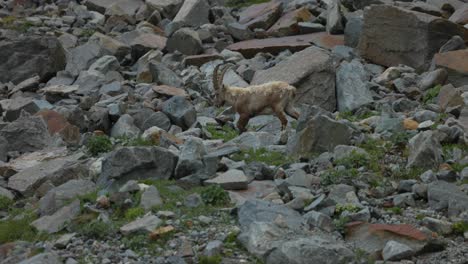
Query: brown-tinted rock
{"points": [[129, 6], [199, 60], [141, 42], [387, 40], [169, 90], [250, 48], [373, 237], [410, 124], [456, 64], [460, 16], [58, 124], [288, 24], [261, 15]]}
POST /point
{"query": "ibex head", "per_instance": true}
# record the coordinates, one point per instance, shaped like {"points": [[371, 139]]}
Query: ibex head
{"points": [[219, 87]]}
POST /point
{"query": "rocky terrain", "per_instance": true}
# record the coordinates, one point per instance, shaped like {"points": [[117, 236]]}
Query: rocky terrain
{"points": [[111, 150]]}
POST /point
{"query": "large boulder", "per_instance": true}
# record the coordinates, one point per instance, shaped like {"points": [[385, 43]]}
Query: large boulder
{"points": [[193, 13], [443, 195], [425, 151], [185, 40], [24, 57], [56, 171], [180, 111], [311, 71], [60, 195], [57, 221], [136, 163], [262, 15], [168, 8], [27, 133], [317, 134], [352, 87], [387, 40]]}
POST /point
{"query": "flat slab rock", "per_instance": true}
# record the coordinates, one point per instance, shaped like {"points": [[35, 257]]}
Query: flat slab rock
{"points": [[56, 222], [249, 48], [372, 238], [231, 180], [456, 64], [169, 90], [147, 223]]}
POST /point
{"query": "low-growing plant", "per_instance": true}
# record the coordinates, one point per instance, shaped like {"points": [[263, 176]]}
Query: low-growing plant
{"points": [[20, 228], [214, 195], [348, 115], [95, 229], [133, 213], [134, 142], [216, 259], [98, 144], [340, 223], [225, 132], [262, 155], [5, 203], [340, 208], [460, 227], [354, 160], [431, 94], [333, 176], [395, 210]]}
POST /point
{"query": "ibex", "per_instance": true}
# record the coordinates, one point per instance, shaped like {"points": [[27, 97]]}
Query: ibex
{"points": [[268, 98]]}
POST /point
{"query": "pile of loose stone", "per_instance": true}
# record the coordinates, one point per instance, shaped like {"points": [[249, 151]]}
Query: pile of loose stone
{"points": [[110, 148]]}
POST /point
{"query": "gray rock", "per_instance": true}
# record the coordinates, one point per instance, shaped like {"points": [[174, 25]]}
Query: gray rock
{"points": [[185, 40], [57, 221], [343, 151], [230, 180], [27, 104], [168, 8], [213, 248], [312, 249], [343, 194], [137, 163], [311, 71], [307, 27], [254, 140], [3, 149], [43, 258], [60, 195], [394, 251], [26, 56], [406, 185], [440, 226], [109, 46], [6, 193], [320, 220], [180, 111], [163, 75], [334, 19], [352, 86], [455, 43], [64, 240], [442, 195], [384, 42], [150, 198], [146, 119], [425, 151], [190, 158], [239, 32], [428, 176], [352, 31], [254, 211], [193, 13], [105, 64], [433, 78], [145, 224], [318, 133], [89, 82], [58, 171], [193, 200], [81, 57], [125, 127], [130, 186]]}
